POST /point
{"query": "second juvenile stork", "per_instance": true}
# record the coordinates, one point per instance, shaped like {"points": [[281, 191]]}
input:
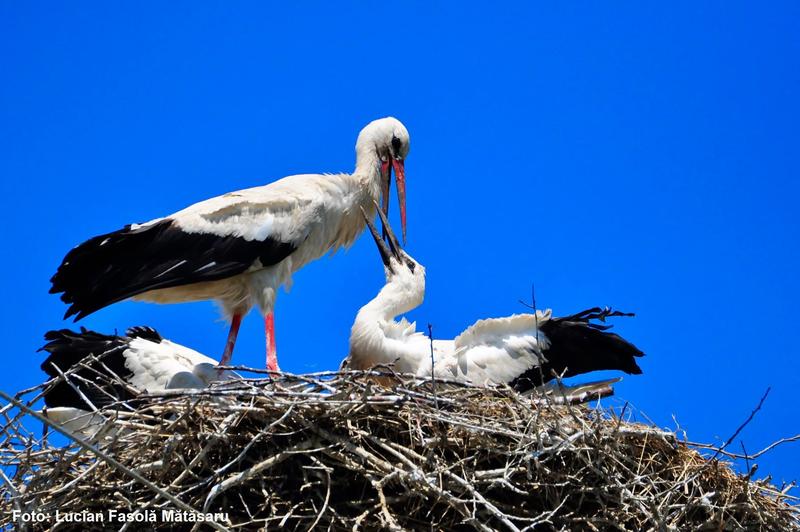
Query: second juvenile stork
{"points": [[101, 373], [522, 350], [240, 247]]}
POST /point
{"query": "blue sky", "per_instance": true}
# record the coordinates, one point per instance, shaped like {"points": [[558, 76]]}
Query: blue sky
{"points": [[640, 157]]}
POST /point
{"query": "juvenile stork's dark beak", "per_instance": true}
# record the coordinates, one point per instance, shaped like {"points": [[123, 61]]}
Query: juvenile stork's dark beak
{"points": [[386, 185], [383, 249], [389, 234]]}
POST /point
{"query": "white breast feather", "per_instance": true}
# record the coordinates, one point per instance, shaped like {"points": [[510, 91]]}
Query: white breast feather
{"points": [[399, 330]]}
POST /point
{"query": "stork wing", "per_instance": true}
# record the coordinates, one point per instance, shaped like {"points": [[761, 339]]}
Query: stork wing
{"points": [[66, 349], [577, 344], [208, 241], [526, 350], [492, 331], [141, 361], [500, 349]]}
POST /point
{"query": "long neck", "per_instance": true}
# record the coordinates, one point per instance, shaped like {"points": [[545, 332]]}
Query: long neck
{"points": [[367, 159], [377, 338], [368, 168], [398, 296], [344, 197]]}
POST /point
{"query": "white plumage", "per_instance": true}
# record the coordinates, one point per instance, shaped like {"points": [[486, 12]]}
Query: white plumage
{"points": [[240, 247], [167, 366], [141, 358], [524, 350], [116, 370]]}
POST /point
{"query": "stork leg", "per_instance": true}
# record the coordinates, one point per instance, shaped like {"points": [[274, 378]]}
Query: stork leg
{"points": [[272, 351], [236, 321]]}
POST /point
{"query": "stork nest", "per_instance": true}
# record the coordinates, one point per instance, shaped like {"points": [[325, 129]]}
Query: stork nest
{"points": [[337, 451]]}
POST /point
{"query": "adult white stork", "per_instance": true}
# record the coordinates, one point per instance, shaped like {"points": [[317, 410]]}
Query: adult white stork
{"points": [[522, 350], [238, 248]]}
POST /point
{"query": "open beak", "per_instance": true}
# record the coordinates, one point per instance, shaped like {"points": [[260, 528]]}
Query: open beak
{"points": [[387, 231], [400, 177], [386, 185], [383, 249]]}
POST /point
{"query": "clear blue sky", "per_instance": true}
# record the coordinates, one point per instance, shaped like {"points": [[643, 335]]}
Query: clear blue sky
{"points": [[641, 157]]}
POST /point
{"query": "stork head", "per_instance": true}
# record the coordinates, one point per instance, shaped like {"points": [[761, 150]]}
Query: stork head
{"points": [[401, 269], [388, 139]]}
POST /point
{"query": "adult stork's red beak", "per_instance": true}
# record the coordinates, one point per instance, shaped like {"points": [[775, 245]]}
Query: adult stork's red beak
{"points": [[386, 179]]}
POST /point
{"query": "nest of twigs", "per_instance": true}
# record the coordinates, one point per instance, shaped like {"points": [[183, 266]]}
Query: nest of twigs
{"points": [[337, 451]]}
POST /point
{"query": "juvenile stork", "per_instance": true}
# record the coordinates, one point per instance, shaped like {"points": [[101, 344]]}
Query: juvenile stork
{"points": [[240, 247], [522, 350], [116, 369]]}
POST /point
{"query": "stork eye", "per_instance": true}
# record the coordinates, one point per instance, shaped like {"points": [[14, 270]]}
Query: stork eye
{"points": [[411, 265], [396, 145]]}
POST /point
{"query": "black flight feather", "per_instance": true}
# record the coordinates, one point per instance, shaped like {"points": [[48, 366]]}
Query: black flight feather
{"points": [[144, 332], [115, 266], [577, 346], [67, 348]]}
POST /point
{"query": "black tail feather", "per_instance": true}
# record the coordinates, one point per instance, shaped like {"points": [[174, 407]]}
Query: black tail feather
{"points": [[578, 346], [105, 269]]}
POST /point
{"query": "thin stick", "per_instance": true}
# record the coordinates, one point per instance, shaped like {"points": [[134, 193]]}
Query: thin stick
{"points": [[540, 354], [743, 425], [433, 367], [746, 457]]}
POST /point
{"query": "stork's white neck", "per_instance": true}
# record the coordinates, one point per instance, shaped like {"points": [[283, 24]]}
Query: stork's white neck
{"points": [[376, 337], [368, 162], [398, 296], [368, 173]]}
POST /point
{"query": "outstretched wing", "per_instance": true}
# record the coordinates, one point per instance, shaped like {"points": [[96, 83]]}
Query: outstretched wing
{"points": [[494, 330], [498, 350], [527, 350], [578, 345]]}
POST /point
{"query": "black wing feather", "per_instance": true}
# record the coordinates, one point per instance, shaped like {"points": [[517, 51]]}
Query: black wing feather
{"points": [[67, 348], [145, 332], [577, 346], [115, 266]]}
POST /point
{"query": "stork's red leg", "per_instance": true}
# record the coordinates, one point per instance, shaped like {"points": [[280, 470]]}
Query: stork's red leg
{"points": [[272, 351], [232, 334]]}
